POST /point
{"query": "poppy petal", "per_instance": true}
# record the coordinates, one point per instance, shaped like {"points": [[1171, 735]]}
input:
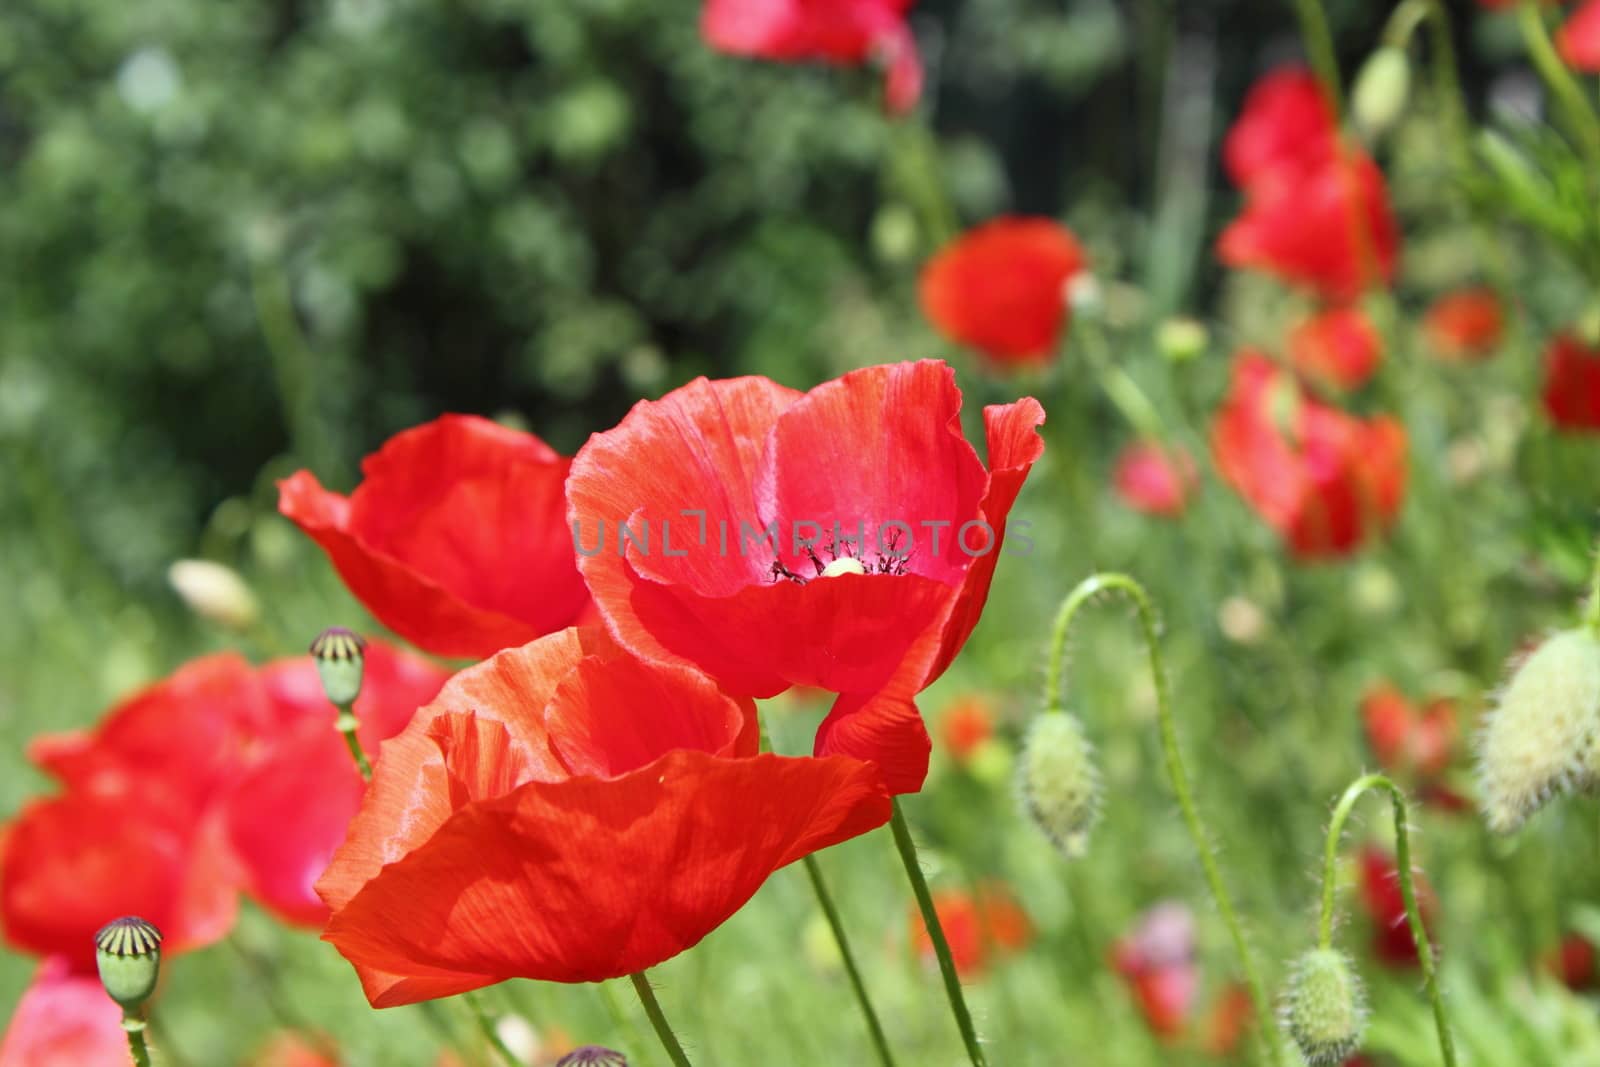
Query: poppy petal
{"points": [[64, 1019], [886, 729]]}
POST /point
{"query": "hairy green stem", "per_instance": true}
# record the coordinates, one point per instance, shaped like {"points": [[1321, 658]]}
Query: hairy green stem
{"points": [[347, 725], [134, 1027], [652, 1008], [1591, 611], [825, 901], [941, 947], [1580, 116], [1130, 587], [1408, 893]]}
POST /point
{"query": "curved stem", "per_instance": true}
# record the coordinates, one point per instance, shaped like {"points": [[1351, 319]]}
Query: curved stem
{"points": [[137, 1048], [652, 1008], [1408, 893], [1580, 116], [1128, 586], [825, 901], [941, 947]]}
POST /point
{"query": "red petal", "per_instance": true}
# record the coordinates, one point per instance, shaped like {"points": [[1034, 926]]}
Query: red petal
{"points": [[1337, 347], [1572, 384], [886, 729], [64, 1020], [1285, 123], [1154, 479], [1465, 324], [548, 881], [1579, 39]]}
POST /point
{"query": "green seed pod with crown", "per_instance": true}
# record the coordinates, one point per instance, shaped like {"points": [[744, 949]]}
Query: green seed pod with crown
{"points": [[1324, 1009], [1057, 779], [341, 658], [128, 955]]}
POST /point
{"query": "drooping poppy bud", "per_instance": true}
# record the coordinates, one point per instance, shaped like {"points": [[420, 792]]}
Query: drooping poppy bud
{"points": [[128, 956], [1059, 784], [1325, 1010], [1540, 738], [214, 592], [340, 656], [1379, 96]]}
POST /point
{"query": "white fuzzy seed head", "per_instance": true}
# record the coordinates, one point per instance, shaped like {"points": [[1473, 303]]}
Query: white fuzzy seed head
{"points": [[1057, 779], [1324, 1008]]}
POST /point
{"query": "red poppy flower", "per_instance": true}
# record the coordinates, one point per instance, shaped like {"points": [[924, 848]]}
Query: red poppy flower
{"points": [[290, 808], [979, 927], [1324, 479], [1002, 288], [1336, 347], [1392, 942], [64, 1020], [1573, 963], [1157, 960], [71, 864], [885, 531], [1325, 226], [1404, 738], [1464, 325], [966, 724], [563, 811], [1579, 39], [1285, 124], [845, 32], [1231, 1019], [1155, 479], [1572, 383], [456, 537]]}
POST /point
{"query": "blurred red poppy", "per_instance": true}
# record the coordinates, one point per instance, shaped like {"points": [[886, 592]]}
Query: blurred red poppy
{"points": [[967, 723], [1464, 325], [1157, 960], [294, 1050], [1392, 942], [563, 811], [1579, 39], [980, 927], [455, 539], [1573, 963], [64, 1020], [1407, 739], [843, 538], [845, 32], [1572, 383], [1285, 124], [1155, 479], [1337, 347], [1232, 1016], [1002, 288], [1326, 480], [290, 807]]}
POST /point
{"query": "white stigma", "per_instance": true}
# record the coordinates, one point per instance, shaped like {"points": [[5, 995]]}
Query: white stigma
{"points": [[844, 565]]}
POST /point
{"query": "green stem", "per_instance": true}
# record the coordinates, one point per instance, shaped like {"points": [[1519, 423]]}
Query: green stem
{"points": [[486, 1027], [1319, 49], [1591, 611], [134, 1027], [825, 901], [652, 1008], [1580, 116], [1124, 393], [1408, 893], [1127, 585], [621, 1019], [941, 947], [347, 725]]}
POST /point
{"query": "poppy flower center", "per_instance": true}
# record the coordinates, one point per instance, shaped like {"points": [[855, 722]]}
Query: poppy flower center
{"points": [[845, 557]]}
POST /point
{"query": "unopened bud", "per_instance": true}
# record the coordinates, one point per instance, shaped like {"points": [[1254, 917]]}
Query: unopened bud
{"points": [[1543, 736], [1182, 339], [127, 952], [340, 655], [1058, 781], [214, 592], [1379, 96], [1324, 1009]]}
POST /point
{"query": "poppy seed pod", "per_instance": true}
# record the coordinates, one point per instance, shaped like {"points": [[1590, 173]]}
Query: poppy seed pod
{"points": [[1541, 737], [1381, 88], [341, 660], [1324, 1010], [593, 1056], [1058, 781], [128, 955]]}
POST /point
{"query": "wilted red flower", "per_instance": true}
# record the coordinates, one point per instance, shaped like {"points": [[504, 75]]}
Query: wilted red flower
{"points": [[290, 807], [1464, 325], [866, 473], [979, 927], [565, 812], [1285, 124], [1325, 479], [1002, 288], [1573, 962], [1157, 959], [846, 32], [1578, 40], [1154, 478], [1392, 942], [967, 723], [1572, 383], [1336, 347], [1326, 226], [1418, 741], [456, 539], [64, 1020]]}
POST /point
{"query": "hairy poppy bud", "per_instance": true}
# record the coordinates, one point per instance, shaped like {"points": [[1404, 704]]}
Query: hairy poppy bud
{"points": [[214, 592], [1058, 781], [593, 1056], [1541, 738], [340, 656], [1324, 1009], [128, 955], [1381, 88]]}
